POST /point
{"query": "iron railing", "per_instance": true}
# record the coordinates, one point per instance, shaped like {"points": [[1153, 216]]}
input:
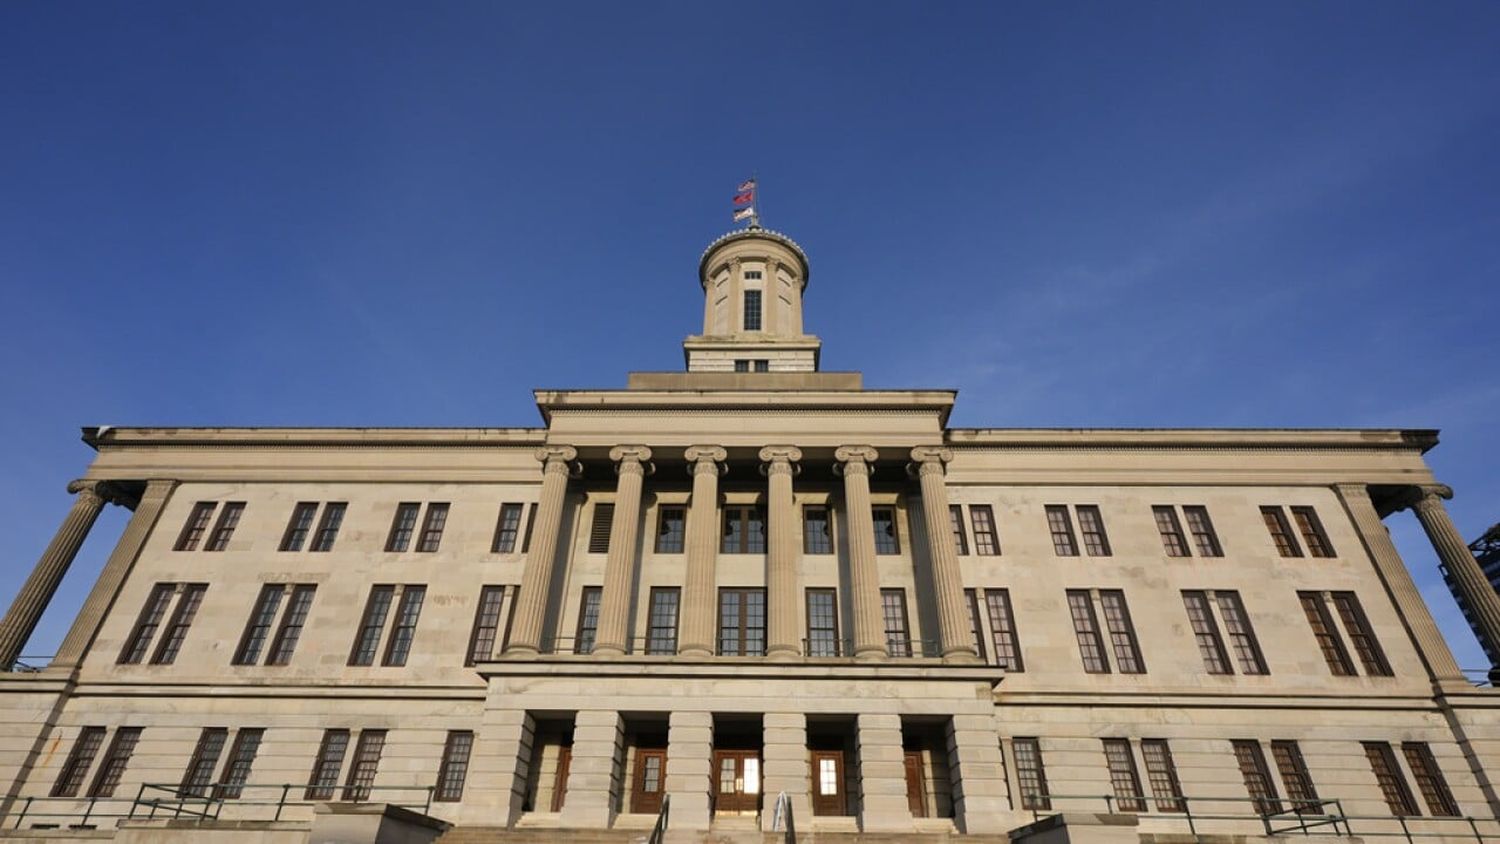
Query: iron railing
{"points": [[659, 830], [28, 664], [157, 800]]}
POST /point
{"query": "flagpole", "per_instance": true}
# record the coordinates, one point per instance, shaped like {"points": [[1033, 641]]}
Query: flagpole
{"points": [[755, 202]]}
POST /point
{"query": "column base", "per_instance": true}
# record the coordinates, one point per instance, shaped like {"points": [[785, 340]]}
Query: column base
{"points": [[607, 651], [871, 653], [695, 650], [783, 653], [961, 656]]}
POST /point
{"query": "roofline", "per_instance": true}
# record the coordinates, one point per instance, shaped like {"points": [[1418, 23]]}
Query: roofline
{"points": [[754, 232], [1423, 439]]}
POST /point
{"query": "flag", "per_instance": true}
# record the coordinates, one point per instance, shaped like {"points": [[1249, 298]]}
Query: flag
{"points": [[748, 184], [744, 213], [744, 198]]}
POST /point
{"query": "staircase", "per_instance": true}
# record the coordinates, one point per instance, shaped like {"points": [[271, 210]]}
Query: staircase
{"points": [[501, 835]]}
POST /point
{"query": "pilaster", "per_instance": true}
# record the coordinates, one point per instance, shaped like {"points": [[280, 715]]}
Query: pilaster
{"points": [[979, 789], [501, 765], [690, 741], [595, 770], [882, 775]]}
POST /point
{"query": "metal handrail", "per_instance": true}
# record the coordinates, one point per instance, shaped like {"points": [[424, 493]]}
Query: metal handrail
{"points": [[29, 664], [214, 796], [659, 830]]}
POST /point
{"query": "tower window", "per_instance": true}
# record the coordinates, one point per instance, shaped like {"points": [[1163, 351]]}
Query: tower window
{"points": [[752, 310], [762, 365], [752, 275]]}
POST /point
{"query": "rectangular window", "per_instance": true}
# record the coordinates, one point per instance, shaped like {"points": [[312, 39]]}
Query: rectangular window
{"points": [[1361, 634], [671, 529], [1430, 782], [1172, 539], [897, 633], [742, 366], [1334, 652], [258, 629], [1121, 632], [762, 366], [432, 529], [147, 623], [115, 761], [1091, 525], [986, 539], [1123, 777], [195, 527], [241, 758], [1299, 785], [405, 630], [325, 771], [486, 624], [817, 530], [1202, 529], [886, 541], [299, 527], [1206, 632], [188, 603], [285, 643], [1281, 532], [742, 622], [661, 627], [1030, 775], [752, 310], [822, 622], [588, 619], [744, 531], [1086, 628], [956, 522], [1258, 782], [403, 526], [1003, 630], [751, 275], [85, 748], [530, 521], [507, 529], [971, 597], [229, 518], [200, 770], [328, 526], [1064, 543], [1162, 772], [604, 517], [1241, 634], [1312, 532], [1393, 785], [371, 626], [454, 768], [366, 762]]}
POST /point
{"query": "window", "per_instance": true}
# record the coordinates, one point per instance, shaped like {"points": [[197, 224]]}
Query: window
{"points": [[1202, 529], [1064, 543], [744, 531], [229, 517], [403, 526], [1393, 785], [147, 623], [897, 634], [1241, 634], [432, 528], [1258, 782], [971, 597], [1206, 632], [405, 630], [588, 619], [530, 521], [986, 541], [1281, 532], [299, 527], [822, 622], [886, 541], [1121, 632], [1361, 635], [1430, 780], [1162, 772], [486, 624], [1030, 775], [188, 603], [1091, 525], [200, 770], [325, 771], [366, 761], [1312, 532], [263, 616], [371, 625], [762, 366], [115, 760], [1086, 629], [507, 529], [195, 527], [1318, 617], [1299, 785], [328, 527], [241, 758], [661, 628], [1003, 630], [85, 748], [742, 366], [291, 624], [670, 529], [742, 622], [454, 768], [752, 310], [817, 530], [604, 516], [1172, 538], [1123, 777], [751, 275], [956, 521]]}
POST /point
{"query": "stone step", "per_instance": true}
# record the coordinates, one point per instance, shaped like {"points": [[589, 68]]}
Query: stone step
{"points": [[500, 835]]}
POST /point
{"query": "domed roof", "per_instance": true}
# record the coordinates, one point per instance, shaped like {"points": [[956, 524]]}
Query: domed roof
{"points": [[755, 233]]}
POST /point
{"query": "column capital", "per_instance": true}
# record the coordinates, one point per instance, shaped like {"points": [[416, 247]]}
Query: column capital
{"points": [[929, 459], [856, 458], [776, 459], [706, 458], [632, 458], [1426, 498], [105, 491], [559, 458]]}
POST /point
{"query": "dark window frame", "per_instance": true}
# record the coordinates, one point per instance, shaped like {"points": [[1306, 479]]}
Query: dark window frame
{"points": [[372, 624], [229, 519], [403, 527], [896, 621], [1004, 639], [586, 635], [661, 636], [81, 758], [328, 527], [749, 625], [299, 526], [811, 542], [196, 526], [671, 529], [601, 525], [986, 531], [507, 528], [434, 522], [822, 622], [453, 769], [404, 627], [890, 544]]}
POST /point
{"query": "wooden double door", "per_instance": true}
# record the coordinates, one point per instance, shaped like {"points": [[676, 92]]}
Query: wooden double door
{"points": [[736, 782]]}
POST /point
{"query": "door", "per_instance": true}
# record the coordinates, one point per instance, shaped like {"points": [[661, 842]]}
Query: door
{"points": [[650, 781], [828, 783], [736, 782], [560, 782], [916, 788]]}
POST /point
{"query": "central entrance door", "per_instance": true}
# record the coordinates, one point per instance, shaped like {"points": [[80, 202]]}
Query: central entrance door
{"points": [[828, 782], [736, 782], [650, 781]]}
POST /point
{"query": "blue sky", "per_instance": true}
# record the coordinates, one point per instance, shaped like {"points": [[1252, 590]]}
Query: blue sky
{"points": [[1272, 214]]}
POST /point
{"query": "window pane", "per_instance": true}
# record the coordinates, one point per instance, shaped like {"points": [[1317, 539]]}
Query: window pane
{"points": [[1121, 632], [115, 761], [403, 526], [897, 634], [1202, 529], [1312, 532], [146, 625], [229, 518], [241, 759], [325, 772], [588, 619], [1323, 630], [670, 530], [372, 625], [1241, 635], [1122, 775], [1430, 782], [366, 761], [486, 624], [1299, 785], [1281, 532], [454, 768], [1030, 775], [259, 627], [182, 619], [1172, 539], [508, 528], [432, 527], [1061, 525], [661, 633], [291, 624], [1091, 525], [1357, 625], [1086, 629], [200, 770], [1003, 630], [822, 623], [1206, 632], [956, 522], [298, 528], [817, 535], [752, 310], [195, 527], [971, 598], [405, 630], [85, 748], [1162, 772], [986, 539], [885, 530], [1258, 782], [1393, 786], [328, 527]]}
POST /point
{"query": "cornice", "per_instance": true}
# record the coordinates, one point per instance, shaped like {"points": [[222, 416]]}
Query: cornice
{"points": [[314, 438], [996, 440]]}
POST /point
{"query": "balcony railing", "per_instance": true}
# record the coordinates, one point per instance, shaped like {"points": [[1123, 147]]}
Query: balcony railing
{"points": [[28, 664]]}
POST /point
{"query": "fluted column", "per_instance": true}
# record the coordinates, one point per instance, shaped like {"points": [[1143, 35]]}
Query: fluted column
{"points": [[536, 577], [864, 577], [955, 633], [1398, 581], [785, 551], [1483, 602], [29, 604], [699, 604], [632, 464]]}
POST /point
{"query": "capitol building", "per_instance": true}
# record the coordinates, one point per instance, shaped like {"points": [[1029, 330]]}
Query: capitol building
{"points": [[750, 601]]}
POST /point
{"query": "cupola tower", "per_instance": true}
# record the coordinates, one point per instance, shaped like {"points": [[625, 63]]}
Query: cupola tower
{"points": [[753, 280]]}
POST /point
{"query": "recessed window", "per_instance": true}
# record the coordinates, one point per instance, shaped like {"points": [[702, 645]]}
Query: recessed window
{"points": [[742, 622], [325, 772], [1172, 539], [486, 624], [752, 275], [817, 530], [1281, 532], [956, 522], [1202, 529], [822, 622], [241, 759], [886, 539], [897, 632], [604, 517], [189, 597], [762, 365], [366, 762], [432, 528], [300, 526], [1122, 639], [986, 540], [195, 527], [1030, 775], [1294, 775], [1393, 785], [1162, 772], [372, 624], [1430, 781], [405, 629], [671, 529], [200, 770], [588, 619], [454, 768], [229, 519], [752, 310], [507, 529], [115, 761], [85, 748], [742, 366], [1312, 532], [1007, 645], [1257, 776], [661, 622], [1123, 778], [328, 526], [403, 526], [744, 530]]}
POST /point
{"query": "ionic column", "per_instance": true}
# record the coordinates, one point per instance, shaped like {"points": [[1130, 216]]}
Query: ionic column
{"points": [[536, 577], [864, 577], [619, 566], [1484, 603], [29, 604], [784, 552], [699, 604], [955, 633]]}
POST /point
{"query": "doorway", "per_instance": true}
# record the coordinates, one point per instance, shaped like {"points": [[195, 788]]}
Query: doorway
{"points": [[833, 765], [737, 765]]}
